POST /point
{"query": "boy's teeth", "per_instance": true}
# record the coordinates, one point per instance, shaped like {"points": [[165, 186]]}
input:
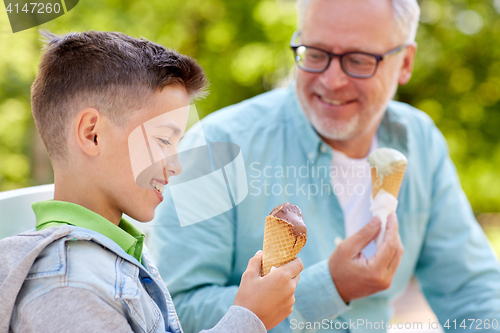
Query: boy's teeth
{"points": [[157, 186]]}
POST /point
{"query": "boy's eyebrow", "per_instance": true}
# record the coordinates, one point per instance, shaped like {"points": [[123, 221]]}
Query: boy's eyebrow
{"points": [[171, 126]]}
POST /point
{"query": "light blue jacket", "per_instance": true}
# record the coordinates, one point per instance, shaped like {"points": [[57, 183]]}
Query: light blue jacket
{"points": [[83, 259], [72, 279], [443, 244]]}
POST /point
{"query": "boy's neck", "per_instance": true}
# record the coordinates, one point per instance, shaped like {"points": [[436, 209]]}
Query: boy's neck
{"points": [[84, 194]]}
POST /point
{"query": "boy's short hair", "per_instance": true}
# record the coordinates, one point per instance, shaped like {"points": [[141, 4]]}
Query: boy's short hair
{"points": [[109, 71]]}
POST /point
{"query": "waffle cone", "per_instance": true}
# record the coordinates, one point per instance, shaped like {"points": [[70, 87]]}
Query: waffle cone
{"points": [[280, 244], [390, 183]]}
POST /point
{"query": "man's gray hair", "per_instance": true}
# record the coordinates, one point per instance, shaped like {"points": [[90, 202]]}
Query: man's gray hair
{"points": [[406, 15]]}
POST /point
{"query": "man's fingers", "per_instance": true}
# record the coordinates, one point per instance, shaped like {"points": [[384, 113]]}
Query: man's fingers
{"points": [[389, 245], [392, 222], [396, 259], [254, 265], [354, 244]]}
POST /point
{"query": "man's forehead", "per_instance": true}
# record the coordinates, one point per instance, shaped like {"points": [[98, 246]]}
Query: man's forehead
{"points": [[349, 24], [349, 7]]}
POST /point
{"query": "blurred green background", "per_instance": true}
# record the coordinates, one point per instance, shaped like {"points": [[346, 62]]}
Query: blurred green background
{"points": [[243, 47]]}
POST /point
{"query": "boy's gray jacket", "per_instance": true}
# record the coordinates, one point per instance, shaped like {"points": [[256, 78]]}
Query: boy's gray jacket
{"points": [[70, 279]]}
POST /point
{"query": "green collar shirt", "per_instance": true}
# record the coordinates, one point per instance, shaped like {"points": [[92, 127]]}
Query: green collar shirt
{"points": [[52, 213]]}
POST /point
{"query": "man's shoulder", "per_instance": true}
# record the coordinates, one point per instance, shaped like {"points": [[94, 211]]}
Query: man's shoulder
{"points": [[418, 124], [426, 144], [248, 115], [410, 114]]}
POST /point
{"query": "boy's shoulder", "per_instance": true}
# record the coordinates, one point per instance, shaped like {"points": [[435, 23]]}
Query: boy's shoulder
{"points": [[17, 257], [18, 253], [68, 257], [83, 257], [37, 255]]}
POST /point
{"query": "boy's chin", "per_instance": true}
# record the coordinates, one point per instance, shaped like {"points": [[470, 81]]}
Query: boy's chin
{"points": [[144, 216]]}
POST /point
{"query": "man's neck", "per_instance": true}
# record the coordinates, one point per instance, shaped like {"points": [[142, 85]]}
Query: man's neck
{"points": [[358, 147]]}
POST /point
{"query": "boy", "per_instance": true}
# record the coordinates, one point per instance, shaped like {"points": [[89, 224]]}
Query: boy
{"points": [[84, 269]]}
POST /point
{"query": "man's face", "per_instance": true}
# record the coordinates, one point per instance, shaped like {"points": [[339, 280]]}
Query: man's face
{"points": [[338, 106], [158, 128]]}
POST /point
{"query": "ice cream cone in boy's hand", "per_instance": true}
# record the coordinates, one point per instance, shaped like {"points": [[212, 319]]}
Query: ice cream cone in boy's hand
{"points": [[285, 234], [387, 169]]}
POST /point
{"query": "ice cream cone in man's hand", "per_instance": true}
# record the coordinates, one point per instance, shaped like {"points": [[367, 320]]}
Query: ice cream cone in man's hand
{"points": [[387, 170]]}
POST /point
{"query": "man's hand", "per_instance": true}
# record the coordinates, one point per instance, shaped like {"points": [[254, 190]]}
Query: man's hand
{"points": [[354, 275], [269, 297]]}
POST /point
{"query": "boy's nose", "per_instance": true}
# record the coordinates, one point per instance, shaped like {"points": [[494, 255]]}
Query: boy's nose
{"points": [[173, 166]]}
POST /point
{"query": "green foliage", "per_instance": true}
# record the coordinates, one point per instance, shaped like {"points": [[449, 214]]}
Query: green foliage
{"points": [[243, 47], [17, 71], [457, 82]]}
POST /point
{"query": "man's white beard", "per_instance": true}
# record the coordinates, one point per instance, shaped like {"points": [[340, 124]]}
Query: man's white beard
{"points": [[334, 129]]}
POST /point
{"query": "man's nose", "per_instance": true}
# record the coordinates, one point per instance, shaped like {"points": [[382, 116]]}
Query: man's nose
{"points": [[334, 77]]}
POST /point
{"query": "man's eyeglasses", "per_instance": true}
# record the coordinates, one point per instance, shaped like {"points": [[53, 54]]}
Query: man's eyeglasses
{"points": [[359, 65]]}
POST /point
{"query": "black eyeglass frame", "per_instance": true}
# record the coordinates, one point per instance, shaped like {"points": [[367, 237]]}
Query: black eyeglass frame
{"points": [[378, 57]]}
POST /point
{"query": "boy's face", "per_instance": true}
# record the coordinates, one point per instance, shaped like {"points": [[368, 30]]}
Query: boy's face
{"points": [[147, 143]]}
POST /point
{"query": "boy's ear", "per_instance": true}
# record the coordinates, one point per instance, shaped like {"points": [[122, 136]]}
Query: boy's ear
{"points": [[88, 123]]}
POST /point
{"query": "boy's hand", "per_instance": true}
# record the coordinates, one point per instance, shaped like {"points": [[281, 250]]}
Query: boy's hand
{"points": [[269, 297]]}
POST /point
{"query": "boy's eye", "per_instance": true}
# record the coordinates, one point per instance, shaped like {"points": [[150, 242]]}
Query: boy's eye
{"points": [[164, 142]]}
